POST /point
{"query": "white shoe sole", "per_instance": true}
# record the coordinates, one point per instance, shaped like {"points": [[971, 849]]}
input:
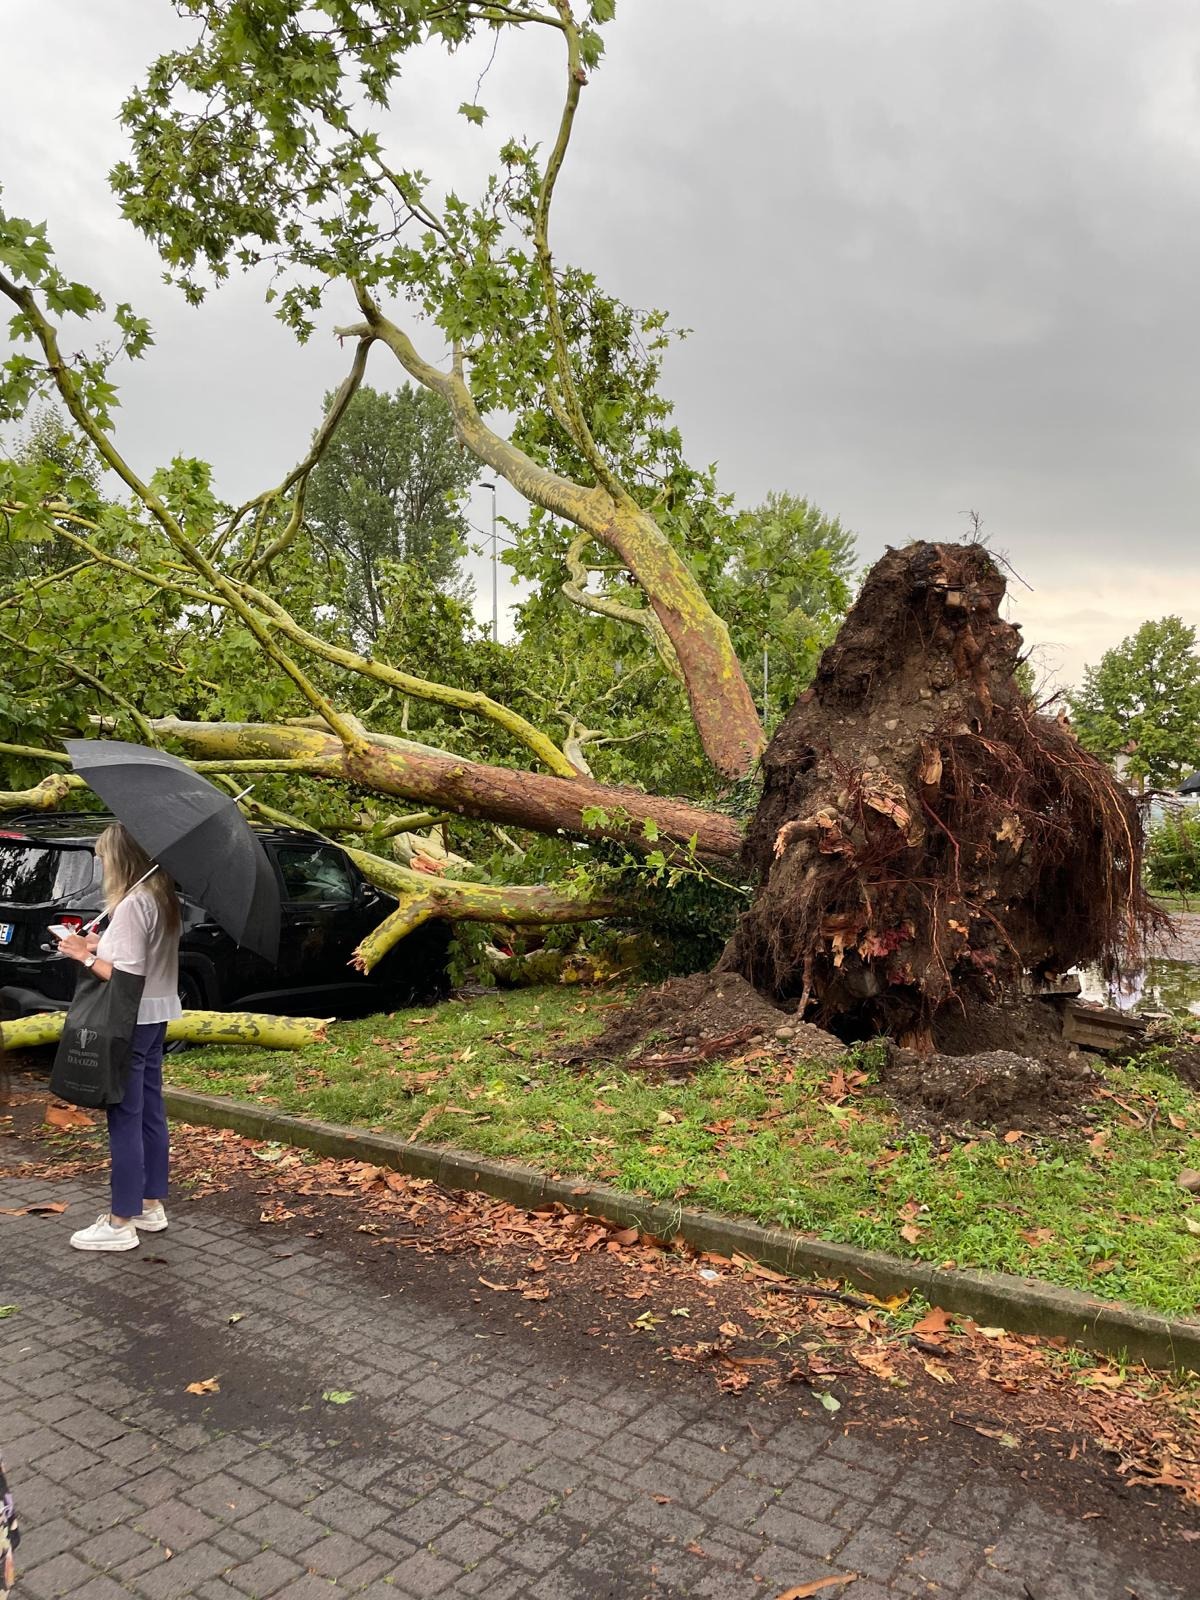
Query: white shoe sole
{"points": [[151, 1227], [104, 1244]]}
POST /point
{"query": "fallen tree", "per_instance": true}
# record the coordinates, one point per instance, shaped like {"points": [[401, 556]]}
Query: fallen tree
{"points": [[923, 834]]}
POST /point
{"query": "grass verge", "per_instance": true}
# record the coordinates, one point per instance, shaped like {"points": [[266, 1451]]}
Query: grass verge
{"points": [[788, 1143]]}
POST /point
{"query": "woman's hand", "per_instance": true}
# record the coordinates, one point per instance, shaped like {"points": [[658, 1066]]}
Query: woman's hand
{"points": [[75, 946], [92, 940]]}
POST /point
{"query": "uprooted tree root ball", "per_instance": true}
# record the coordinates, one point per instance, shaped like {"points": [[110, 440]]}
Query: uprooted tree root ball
{"points": [[925, 835]]}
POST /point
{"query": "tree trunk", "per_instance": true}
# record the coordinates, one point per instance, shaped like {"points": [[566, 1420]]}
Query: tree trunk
{"points": [[539, 801], [194, 1027]]}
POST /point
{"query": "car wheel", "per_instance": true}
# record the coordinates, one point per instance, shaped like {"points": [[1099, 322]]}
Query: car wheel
{"points": [[191, 998]]}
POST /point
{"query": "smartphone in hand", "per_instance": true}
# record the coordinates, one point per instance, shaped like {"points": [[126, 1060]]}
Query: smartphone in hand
{"points": [[61, 931]]}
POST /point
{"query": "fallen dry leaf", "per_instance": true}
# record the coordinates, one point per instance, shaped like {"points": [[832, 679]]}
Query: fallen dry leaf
{"points": [[1037, 1236], [1100, 1378], [205, 1386], [1189, 1180], [1008, 1440], [936, 1322], [803, 1590], [911, 1232], [69, 1118], [1013, 1135], [43, 1208], [935, 1369]]}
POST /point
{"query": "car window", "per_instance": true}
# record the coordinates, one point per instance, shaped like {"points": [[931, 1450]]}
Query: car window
{"points": [[33, 874], [315, 875]]}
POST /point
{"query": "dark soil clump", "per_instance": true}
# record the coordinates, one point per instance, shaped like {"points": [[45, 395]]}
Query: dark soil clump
{"points": [[698, 1018], [1024, 1026], [993, 1089]]}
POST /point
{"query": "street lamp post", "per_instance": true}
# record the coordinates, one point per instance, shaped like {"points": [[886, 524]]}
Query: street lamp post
{"points": [[495, 589]]}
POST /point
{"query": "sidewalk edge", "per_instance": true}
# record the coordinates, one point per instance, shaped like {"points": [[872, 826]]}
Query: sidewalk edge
{"points": [[993, 1299]]}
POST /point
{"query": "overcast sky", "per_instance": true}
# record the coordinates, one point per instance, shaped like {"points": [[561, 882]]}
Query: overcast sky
{"points": [[938, 255]]}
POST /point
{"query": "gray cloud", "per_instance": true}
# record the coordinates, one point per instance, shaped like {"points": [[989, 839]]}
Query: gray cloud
{"points": [[937, 256]]}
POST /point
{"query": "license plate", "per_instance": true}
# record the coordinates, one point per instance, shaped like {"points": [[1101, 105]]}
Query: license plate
{"points": [[6, 932]]}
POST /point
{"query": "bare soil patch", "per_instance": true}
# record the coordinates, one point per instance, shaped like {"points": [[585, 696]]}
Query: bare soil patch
{"points": [[991, 1089], [690, 1020]]}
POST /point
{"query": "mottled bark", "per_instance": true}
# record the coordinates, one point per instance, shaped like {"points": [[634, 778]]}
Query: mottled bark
{"points": [[453, 784], [194, 1027], [423, 897]]}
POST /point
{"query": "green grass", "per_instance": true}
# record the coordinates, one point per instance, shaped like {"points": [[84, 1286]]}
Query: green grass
{"points": [[763, 1140]]}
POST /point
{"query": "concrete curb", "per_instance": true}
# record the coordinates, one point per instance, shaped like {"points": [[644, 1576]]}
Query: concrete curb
{"points": [[993, 1299]]}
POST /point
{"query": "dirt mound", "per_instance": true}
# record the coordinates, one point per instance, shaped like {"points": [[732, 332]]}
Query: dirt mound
{"points": [[709, 1014], [1177, 1053], [923, 832], [993, 1089], [1024, 1026]]}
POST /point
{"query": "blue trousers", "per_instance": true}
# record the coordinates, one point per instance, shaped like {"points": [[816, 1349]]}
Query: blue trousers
{"points": [[137, 1128]]}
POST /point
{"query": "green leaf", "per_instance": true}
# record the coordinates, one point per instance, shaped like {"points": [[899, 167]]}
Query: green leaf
{"points": [[472, 113], [8, 1311], [338, 1397], [829, 1401]]}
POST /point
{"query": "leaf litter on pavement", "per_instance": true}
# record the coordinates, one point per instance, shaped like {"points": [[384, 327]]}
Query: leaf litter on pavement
{"points": [[752, 1328]]}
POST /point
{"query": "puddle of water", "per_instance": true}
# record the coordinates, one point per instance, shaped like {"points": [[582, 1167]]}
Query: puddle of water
{"points": [[1163, 986]]}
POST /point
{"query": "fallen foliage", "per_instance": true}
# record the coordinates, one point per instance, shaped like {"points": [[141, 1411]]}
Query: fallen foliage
{"points": [[752, 1328]]}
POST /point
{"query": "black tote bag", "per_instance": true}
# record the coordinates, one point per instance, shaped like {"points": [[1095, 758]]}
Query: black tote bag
{"points": [[92, 1063]]}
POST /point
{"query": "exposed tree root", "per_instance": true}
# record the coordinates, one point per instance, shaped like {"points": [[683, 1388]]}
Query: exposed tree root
{"points": [[924, 834]]}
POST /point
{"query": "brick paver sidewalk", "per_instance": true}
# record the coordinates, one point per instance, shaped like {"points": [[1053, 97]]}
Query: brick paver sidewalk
{"points": [[466, 1463]]}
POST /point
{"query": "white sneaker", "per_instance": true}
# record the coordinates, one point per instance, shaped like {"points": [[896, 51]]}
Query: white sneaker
{"points": [[153, 1218], [102, 1235]]}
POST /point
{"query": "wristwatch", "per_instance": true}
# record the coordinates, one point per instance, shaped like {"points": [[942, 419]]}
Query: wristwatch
{"points": [[90, 961]]}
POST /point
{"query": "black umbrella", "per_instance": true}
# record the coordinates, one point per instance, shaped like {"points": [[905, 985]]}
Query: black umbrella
{"points": [[1191, 785], [193, 830]]}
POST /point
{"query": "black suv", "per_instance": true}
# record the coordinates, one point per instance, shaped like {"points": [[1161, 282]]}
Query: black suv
{"points": [[49, 873]]}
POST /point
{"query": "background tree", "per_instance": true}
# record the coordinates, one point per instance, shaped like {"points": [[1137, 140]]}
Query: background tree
{"points": [[389, 487], [785, 591], [1144, 698]]}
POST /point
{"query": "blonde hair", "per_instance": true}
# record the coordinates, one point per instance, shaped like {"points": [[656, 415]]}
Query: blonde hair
{"points": [[124, 862]]}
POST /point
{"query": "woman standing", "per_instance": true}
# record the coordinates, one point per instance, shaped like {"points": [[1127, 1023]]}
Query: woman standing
{"points": [[143, 938]]}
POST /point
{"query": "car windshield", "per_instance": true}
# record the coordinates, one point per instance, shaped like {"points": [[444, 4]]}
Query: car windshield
{"points": [[33, 874]]}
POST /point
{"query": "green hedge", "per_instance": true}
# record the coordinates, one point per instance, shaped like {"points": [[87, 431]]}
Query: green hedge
{"points": [[1173, 854]]}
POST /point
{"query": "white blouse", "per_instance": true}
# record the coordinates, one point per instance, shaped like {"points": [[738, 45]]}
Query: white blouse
{"points": [[136, 942]]}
